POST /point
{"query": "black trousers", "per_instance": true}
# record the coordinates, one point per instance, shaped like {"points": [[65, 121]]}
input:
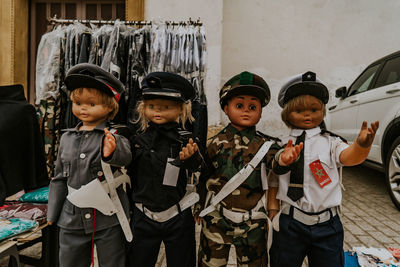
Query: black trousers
{"points": [[178, 235], [322, 243]]}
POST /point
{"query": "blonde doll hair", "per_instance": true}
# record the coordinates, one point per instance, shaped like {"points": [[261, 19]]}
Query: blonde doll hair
{"points": [[291, 105], [106, 100], [185, 116]]}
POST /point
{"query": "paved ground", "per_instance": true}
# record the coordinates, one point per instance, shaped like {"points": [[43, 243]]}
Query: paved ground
{"points": [[369, 217]]}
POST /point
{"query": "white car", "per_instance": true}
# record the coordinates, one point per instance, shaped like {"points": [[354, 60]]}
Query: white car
{"points": [[374, 96]]}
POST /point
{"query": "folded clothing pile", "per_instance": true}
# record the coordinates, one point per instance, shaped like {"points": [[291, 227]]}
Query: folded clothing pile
{"points": [[371, 257], [28, 211], [14, 226]]}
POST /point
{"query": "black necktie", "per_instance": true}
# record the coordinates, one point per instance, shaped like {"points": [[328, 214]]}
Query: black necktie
{"points": [[295, 190]]}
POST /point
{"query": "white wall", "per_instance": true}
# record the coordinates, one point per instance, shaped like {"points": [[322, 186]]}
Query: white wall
{"points": [[210, 13], [278, 39]]}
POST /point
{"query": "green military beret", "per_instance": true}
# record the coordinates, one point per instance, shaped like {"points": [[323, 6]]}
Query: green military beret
{"points": [[245, 83]]}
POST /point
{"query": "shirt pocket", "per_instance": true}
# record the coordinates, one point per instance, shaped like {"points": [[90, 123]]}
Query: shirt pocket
{"points": [[96, 172], [326, 161], [69, 207]]}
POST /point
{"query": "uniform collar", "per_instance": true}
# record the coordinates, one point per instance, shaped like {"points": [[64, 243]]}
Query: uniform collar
{"points": [[166, 126], [309, 132], [248, 132], [99, 127]]}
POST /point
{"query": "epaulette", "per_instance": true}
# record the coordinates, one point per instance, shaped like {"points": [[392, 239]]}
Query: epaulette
{"points": [[323, 131], [221, 131], [276, 139], [184, 136], [184, 133], [120, 129]]}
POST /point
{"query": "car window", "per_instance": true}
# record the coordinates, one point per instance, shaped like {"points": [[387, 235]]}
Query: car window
{"points": [[390, 73], [363, 82]]}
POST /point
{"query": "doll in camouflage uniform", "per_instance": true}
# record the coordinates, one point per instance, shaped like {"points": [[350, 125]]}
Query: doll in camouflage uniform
{"points": [[241, 217]]}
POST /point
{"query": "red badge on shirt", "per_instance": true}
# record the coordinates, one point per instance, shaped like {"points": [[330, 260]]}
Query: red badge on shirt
{"points": [[319, 173]]}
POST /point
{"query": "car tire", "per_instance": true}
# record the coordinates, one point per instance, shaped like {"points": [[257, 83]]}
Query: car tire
{"points": [[392, 171]]}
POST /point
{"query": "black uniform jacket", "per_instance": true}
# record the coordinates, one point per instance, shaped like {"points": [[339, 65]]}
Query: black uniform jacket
{"points": [[151, 150], [22, 158]]}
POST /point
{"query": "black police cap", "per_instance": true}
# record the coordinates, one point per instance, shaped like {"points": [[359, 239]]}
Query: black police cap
{"points": [[92, 76], [303, 84], [167, 85]]}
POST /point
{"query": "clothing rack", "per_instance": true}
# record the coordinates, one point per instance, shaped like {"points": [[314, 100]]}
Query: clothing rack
{"points": [[55, 21]]}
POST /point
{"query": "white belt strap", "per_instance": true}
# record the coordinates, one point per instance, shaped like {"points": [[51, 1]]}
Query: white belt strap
{"points": [[237, 179], [123, 220], [310, 219], [238, 217], [186, 202]]}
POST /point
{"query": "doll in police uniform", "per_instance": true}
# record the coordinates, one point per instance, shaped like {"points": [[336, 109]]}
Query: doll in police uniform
{"points": [[309, 184], [240, 217], [95, 94], [164, 155]]}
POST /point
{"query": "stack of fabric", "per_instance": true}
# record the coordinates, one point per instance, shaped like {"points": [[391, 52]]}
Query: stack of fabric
{"points": [[371, 257], [24, 214]]}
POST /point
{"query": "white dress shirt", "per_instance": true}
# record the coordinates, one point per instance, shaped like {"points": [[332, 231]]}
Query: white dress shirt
{"points": [[327, 149]]}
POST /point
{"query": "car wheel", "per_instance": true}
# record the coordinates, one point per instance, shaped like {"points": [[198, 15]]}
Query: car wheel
{"points": [[392, 170]]}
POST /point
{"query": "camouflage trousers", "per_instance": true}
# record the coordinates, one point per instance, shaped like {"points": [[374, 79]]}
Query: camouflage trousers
{"points": [[219, 233]]}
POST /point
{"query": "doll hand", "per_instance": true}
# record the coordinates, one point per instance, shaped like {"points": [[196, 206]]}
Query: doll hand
{"points": [[108, 143], [367, 134], [290, 153], [272, 213], [188, 150]]}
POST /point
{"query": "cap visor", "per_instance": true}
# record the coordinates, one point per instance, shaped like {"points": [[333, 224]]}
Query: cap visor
{"points": [[75, 81]]}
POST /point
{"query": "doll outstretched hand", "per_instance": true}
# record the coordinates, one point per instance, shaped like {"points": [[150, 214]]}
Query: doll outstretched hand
{"points": [[188, 150], [108, 143], [290, 153], [359, 150], [367, 134]]}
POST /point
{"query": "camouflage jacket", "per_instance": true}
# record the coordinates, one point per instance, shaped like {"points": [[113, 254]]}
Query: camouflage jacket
{"points": [[228, 152]]}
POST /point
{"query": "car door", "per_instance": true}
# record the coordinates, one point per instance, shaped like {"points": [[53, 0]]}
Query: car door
{"points": [[378, 100], [343, 116]]}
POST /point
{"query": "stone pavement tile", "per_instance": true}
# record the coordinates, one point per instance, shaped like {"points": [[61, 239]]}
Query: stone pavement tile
{"points": [[354, 229], [363, 206], [349, 237], [376, 223], [365, 226], [393, 225], [368, 241], [351, 216], [381, 237], [359, 211], [388, 232]]}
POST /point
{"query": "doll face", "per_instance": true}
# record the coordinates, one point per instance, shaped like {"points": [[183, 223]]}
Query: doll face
{"points": [[89, 108], [161, 111], [243, 111], [307, 115]]}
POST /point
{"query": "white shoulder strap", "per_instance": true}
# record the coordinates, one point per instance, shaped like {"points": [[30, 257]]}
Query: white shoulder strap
{"points": [[123, 220], [237, 179]]}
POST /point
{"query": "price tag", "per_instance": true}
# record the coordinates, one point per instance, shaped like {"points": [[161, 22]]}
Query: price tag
{"points": [[171, 173], [319, 173]]}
